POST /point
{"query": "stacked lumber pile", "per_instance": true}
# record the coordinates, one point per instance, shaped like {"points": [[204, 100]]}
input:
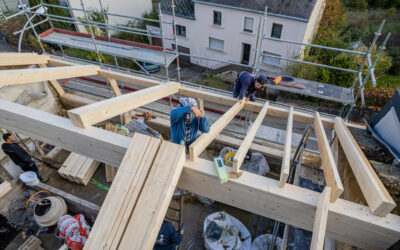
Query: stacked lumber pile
{"points": [[32, 243], [137, 202], [78, 168], [111, 171], [4, 188]]}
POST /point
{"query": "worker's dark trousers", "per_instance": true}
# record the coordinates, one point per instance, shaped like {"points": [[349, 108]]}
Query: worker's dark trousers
{"points": [[31, 167], [236, 92]]}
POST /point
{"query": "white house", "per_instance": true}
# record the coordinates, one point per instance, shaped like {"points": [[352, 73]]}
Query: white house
{"points": [[228, 29], [134, 8]]}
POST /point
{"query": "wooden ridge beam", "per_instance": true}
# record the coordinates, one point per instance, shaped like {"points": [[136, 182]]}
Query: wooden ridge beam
{"points": [[348, 222], [22, 59], [244, 147], [321, 218], [108, 108], [21, 76], [375, 193], [198, 146], [332, 177], [287, 150]]}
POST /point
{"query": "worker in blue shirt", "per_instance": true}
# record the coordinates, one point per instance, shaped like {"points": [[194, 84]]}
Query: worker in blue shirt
{"points": [[246, 85], [168, 237], [186, 121]]}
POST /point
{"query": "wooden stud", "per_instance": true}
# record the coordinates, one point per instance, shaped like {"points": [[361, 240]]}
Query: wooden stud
{"points": [[22, 59], [287, 150], [57, 87], [244, 147], [126, 117], [321, 219], [22, 76], [375, 193], [106, 109], [197, 147], [331, 173]]}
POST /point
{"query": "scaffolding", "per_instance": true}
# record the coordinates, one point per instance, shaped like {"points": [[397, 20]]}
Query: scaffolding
{"points": [[162, 56]]}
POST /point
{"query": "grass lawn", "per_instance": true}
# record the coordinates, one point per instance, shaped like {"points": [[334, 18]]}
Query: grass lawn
{"points": [[389, 81]]}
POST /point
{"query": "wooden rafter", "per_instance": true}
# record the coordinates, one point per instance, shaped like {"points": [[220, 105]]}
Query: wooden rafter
{"points": [[331, 173], [320, 220], [375, 193], [347, 221], [126, 117], [21, 76], [22, 59], [198, 146], [60, 91], [106, 109], [244, 147], [287, 150]]}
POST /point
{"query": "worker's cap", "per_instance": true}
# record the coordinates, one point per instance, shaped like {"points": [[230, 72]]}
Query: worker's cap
{"points": [[261, 78], [188, 101]]}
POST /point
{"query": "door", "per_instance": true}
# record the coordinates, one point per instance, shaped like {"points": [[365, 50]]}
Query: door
{"points": [[245, 53], [183, 60]]}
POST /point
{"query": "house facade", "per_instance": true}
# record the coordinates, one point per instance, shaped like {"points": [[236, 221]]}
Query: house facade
{"points": [[228, 29], [134, 8]]}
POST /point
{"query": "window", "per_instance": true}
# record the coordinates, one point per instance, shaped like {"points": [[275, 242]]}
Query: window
{"points": [[216, 44], [217, 18], [248, 24], [180, 30], [271, 60], [276, 30]]}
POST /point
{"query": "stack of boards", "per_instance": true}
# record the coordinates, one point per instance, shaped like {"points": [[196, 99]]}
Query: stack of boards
{"points": [[78, 168], [110, 170], [136, 204], [32, 243], [4, 188]]}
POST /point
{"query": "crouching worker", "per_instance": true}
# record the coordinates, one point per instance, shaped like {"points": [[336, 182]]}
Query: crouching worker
{"points": [[186, 121], [168, 237], [19, 156], [246, 85]]}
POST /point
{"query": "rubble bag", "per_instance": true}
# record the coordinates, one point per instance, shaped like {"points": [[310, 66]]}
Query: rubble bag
{"points": [[222, 231], [263, 241], [74, 230]]}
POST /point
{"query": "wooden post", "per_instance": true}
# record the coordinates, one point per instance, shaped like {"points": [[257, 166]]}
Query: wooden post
{"points": [[320, 220], [126, 117]]}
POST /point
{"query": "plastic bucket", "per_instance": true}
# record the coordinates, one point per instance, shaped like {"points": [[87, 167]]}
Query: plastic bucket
{"points": [[29, 178]]}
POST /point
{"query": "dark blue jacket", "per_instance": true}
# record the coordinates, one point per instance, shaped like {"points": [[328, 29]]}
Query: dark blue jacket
{"points": [[178, 125], [245, 86], [167, 237]]}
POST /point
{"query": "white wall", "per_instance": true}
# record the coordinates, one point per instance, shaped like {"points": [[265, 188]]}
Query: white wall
{"points": [[314, 21], [231, 31], [122, 7]]}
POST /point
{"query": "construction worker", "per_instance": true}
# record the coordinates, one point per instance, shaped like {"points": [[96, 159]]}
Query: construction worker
{"points": [[186, 121], [246, 85], [168, 237], [19, 156]]}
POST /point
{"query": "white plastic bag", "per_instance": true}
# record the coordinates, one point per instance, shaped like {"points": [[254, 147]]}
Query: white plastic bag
{"points": [[222, 231], [262, 242]]}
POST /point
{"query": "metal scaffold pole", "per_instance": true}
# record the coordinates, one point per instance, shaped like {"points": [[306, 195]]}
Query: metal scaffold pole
{"points": [[32, 26], [178, 69], [91, 32], [259, 50], [163, 42], [381, 48]]}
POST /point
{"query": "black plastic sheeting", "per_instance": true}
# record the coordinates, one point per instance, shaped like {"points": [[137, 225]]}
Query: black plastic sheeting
{"points": [[7, 232]]}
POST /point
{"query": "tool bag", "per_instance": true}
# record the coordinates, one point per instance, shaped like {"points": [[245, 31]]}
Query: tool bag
{"points": [[74, 230]]}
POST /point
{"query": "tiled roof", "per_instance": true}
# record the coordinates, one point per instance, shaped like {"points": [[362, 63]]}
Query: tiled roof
{"points": [[184, 8]]}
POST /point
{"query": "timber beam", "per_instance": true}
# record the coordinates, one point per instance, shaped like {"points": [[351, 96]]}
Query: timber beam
{"points": [[22, 76], [375, 193], [347, 221], [331, 173], [22, 59], [321, 218], [201, 143], [287, 150], [245, 146], [103, 110]]}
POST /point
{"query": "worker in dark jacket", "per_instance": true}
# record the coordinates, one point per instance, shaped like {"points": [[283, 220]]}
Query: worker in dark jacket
{"points": [[168, 237], [186, 121], [19, 156], [246, 85]]}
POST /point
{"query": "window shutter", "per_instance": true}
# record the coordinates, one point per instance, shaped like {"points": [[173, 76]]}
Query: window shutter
{"points": [[248, 24], [216, 44]]}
